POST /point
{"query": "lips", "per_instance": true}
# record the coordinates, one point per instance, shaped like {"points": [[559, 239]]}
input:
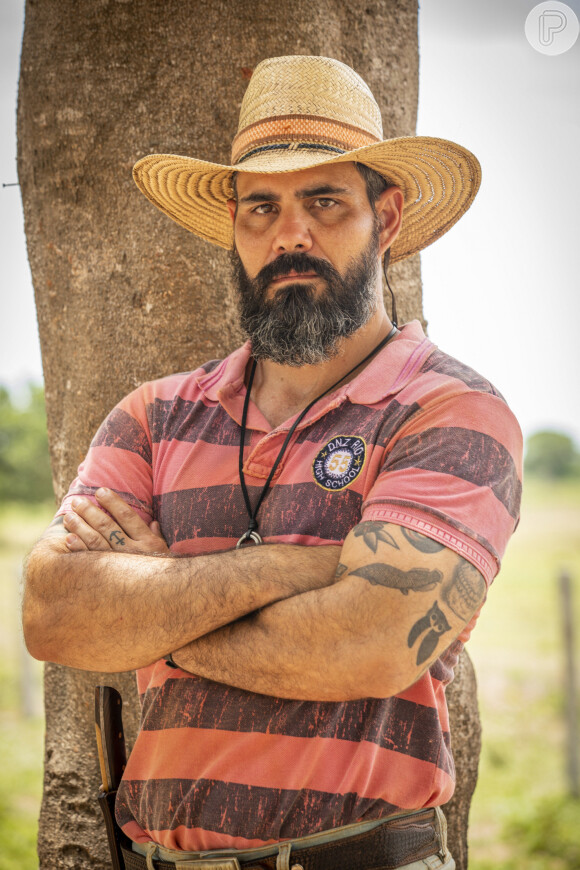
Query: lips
{"points": [[292, 276], [294, 267]]}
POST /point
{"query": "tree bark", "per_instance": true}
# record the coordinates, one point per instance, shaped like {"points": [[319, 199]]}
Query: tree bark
{"points": [[465, 728], [124, 295]]}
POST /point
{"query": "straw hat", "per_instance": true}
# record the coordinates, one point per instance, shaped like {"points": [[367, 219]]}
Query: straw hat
{"points": [[299, 112]]}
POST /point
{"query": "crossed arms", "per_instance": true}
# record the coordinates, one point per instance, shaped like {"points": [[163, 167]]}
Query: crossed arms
{"points": [[311, 623]]}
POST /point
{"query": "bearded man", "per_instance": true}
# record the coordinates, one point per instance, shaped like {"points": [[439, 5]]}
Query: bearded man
{"points": [[293, 693]]}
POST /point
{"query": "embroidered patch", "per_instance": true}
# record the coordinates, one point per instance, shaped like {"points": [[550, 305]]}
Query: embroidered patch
{"points": [[340, 462]]}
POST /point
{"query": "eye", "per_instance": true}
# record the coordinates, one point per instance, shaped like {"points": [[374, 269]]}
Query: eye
{"points": [[263, 208], [324, 202]]}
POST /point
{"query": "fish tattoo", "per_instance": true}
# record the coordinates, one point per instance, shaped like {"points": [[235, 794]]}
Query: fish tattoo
{"points": [[417, 579]]}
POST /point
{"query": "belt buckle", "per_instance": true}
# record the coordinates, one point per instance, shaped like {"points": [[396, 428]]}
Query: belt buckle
{"points": [[209, 864]]}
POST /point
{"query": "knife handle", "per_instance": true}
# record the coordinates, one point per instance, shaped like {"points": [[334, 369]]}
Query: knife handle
{"points": [[110, 736]]}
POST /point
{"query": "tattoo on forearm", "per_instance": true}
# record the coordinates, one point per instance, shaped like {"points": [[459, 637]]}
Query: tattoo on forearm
{"points": [[55, 528], [341, 569], [466, 590], [417, 579], [372, 533], [422, 542], [434, 623], [117, 538]]}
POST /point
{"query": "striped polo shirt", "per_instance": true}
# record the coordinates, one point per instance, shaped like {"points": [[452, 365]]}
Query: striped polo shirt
{"points": [[417, 439]]}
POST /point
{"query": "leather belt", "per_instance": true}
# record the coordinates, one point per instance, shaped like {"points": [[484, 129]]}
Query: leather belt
{"points": [[394, 843]]}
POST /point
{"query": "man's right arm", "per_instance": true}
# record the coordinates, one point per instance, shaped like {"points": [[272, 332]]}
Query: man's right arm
{"points": [[113, 611]]}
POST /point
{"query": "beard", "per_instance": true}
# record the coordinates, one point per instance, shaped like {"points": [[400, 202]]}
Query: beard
{"points": [[299, 326]]}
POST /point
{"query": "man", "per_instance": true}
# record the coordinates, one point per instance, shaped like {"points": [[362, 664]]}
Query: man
{"points": [[293, 692]]}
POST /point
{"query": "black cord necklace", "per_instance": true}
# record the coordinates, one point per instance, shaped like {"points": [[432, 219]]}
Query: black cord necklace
{"points": [[252, 532]]}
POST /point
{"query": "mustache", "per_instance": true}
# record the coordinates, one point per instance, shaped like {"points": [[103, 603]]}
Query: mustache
{"points": [[299, 263]]}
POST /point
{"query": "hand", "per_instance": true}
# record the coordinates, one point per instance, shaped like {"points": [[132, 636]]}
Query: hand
{"points": [[90, 528]]}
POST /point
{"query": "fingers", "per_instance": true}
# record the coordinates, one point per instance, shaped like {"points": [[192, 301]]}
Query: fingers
{"points": [[155, 528], [143, 538], [89, 526], [121, 529], [129, 521], [75, 544]]}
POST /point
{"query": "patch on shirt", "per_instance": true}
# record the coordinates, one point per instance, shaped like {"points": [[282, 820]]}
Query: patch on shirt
{"points": [[340, 462]]}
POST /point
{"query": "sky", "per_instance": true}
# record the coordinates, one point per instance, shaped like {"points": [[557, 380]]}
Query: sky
{"points": [[500, 289]]}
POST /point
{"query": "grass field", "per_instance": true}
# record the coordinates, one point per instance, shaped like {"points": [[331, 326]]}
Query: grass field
{"points": [[21, 721], [521, 815]]}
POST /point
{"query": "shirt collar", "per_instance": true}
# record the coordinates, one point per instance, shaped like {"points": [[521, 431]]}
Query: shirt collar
{"points": [[385, 375], [392, 368], [227, 376]]}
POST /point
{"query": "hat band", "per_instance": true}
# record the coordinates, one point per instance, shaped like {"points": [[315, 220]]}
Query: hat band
{"points": [[300, 129], [291, 146]]}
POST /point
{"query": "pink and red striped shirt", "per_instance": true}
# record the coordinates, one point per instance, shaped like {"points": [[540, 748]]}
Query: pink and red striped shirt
{"points": [[417, 439]]}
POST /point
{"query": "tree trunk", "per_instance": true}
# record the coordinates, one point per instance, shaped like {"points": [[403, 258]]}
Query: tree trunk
{"points": [[123, 294]]}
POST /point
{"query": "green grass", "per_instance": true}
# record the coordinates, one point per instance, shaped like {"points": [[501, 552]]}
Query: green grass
{"points": [[517, 648], [521, 816], [20, 791], [21, 720]]}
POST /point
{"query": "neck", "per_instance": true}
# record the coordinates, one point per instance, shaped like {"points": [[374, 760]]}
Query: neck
{"points": [[281, 391]]}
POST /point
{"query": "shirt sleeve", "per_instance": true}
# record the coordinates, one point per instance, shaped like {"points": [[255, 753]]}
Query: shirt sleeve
{"points": [[120, 457], [453, 473]]}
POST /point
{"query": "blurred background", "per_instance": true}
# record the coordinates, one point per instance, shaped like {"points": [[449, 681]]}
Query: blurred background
{"points": [[500, 293]]}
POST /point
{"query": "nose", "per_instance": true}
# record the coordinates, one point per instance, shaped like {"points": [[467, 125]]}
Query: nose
{"points": [[291, 234]]}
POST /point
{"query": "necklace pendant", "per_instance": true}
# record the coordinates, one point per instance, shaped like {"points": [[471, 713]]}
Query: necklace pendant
{"points": [[250, 535]]}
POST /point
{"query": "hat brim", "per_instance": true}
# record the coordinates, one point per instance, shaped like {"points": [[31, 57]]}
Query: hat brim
{"points": [[439, 180]]}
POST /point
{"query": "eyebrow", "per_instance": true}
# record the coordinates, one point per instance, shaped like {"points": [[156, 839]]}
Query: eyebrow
{"points": [[306, 193]]}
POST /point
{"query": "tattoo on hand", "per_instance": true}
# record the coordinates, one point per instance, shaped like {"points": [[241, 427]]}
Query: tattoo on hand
{"points": [[435, 624], [340, 570], [417, 579], [466, 590], [372, 533], [117, 537], [422, 542]]}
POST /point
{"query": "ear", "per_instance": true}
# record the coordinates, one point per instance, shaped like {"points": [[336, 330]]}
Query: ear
{"points": [[232, 208], [389, 209]]}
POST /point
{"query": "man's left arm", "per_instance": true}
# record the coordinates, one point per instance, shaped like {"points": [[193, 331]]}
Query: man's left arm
{"points": [[399, 600]]}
